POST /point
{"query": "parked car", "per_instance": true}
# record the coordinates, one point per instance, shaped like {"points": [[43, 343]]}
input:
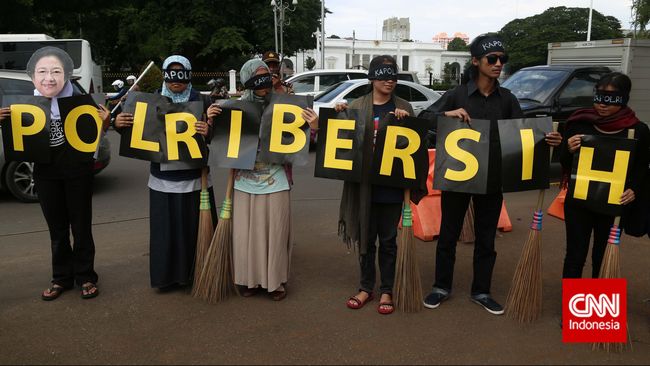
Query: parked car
{"points": [[18, 176], [419, 96], [316, 81], [411, 76], [555, 90]]}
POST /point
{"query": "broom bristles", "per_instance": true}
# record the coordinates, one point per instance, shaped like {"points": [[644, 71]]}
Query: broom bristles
{"points": [[611, 268], [206, 229], [408, 287], [524, 302]]}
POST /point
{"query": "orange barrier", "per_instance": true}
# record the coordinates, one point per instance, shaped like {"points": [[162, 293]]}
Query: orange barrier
{"points": [[427, 216], [557, 206]]}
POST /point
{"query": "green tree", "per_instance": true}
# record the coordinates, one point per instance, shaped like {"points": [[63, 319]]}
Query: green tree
{"points": [[457, 44], [310, 63], [126, 34], [527, 39], [641, 17]]}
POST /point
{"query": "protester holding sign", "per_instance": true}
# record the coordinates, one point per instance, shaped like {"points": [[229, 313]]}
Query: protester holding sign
{"points": [[174, 194], [610, 116], [64, 185], [370, 212], [262, 207], [480, 98]]}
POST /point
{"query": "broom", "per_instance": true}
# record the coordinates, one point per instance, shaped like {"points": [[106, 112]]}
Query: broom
{"points": [[408, 288], [611, 268], [206, 229], [524, 302], [217, 281], [467, 233]]}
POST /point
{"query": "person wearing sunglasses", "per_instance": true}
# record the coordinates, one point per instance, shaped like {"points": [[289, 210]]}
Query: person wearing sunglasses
{"points": [[480, 97]]}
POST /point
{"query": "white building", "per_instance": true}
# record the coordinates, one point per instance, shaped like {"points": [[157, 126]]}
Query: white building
{"points": [[422, 58], [396, 28]]}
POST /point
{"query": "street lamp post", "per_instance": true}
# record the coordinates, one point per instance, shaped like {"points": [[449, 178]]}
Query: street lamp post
{"points": [[280, 7]]}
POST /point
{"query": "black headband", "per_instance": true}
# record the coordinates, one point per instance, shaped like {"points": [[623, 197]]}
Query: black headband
{"points": [[610, 98], [257, 82], [177, 76], [383, 72], [487, 45]]}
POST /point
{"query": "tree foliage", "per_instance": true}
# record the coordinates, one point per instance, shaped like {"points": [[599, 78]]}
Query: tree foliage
{"points": [[125, 34], [457, 44], [641, 17], [527, 39]]}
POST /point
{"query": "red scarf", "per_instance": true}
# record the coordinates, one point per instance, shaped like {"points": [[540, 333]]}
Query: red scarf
{"points": [[625, 118]]}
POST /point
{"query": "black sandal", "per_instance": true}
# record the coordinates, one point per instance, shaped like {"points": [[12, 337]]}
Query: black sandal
{"points": [[87, 288], [54, 292]]}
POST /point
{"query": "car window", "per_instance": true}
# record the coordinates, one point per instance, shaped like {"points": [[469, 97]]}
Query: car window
{"points": [[331, 93], [417, 96], [359, 91], [407, 77], [535, 85], [303, 84], [404, 92], [16, 87], [328, 80], [354, 76], [579, 91]]}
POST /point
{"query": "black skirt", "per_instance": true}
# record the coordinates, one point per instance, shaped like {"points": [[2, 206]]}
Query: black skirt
{"points": [[173, 231]]}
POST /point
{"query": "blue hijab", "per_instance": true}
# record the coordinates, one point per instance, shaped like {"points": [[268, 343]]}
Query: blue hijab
{"points": [[185, 95]]}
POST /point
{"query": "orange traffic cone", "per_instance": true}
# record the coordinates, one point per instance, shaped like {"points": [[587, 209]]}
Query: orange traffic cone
{"points": [[557, 206]]}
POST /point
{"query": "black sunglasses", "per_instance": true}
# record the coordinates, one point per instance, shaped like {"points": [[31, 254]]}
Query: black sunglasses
{"points": [[492, 59]]}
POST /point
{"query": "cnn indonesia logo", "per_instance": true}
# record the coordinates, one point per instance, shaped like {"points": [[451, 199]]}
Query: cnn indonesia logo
{"points": [[594, 310]]}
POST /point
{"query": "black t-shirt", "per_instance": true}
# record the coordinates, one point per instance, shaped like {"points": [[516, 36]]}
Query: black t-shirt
{"points": [[384, 194]]}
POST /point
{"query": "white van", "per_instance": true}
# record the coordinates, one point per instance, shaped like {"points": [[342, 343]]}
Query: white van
{"points": [[16, 49]]}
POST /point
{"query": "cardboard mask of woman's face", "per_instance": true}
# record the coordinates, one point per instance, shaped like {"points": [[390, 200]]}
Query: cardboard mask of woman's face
{"points": [[49, 76]]}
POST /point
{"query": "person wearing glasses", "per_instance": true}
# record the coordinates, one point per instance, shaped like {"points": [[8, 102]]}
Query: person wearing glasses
{"points": [[482, 98]]}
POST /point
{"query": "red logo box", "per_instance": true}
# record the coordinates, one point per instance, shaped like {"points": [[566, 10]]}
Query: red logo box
{"points": [[594, 310]]}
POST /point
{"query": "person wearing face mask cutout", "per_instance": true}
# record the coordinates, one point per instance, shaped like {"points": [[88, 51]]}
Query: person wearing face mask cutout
{"points": [[64, 188], [262, 206], [368, 212], [481, 98], [610, 116], [174, 194]]}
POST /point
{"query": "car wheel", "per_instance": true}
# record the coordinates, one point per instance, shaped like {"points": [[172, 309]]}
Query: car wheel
{"points": [[19, 179]]}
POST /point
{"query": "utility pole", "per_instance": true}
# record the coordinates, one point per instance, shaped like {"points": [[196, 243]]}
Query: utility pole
{"points": [[322, 34]]}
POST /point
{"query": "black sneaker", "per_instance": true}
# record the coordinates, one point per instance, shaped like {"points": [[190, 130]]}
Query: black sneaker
{"points": [[434, 299], [488, 303]]}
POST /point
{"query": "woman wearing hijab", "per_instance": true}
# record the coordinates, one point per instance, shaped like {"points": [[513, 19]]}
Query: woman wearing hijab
{"points": [[64, 188], [262, 206], [610, 116], [174, 194]]}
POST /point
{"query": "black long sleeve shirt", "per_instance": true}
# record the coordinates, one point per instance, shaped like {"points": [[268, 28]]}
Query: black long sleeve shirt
{"points": [[500, 104]]}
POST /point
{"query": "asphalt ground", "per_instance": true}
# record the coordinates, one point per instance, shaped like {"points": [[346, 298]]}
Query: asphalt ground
{"points": [[130, 323]]}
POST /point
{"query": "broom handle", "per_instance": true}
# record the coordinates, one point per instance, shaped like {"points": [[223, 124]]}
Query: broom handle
{"points": [[134, 84], [204, 178], [231, 180], [630, 135], [540, 197]]}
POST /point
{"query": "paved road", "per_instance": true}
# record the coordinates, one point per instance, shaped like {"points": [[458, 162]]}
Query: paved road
{"points": [[131, 323]]}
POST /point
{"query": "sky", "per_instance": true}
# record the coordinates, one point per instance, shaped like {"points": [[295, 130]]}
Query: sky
{"points": [[429, 17]]}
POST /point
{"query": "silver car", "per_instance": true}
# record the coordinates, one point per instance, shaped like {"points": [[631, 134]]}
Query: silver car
{"points": [[18, 176], [418, 95]]}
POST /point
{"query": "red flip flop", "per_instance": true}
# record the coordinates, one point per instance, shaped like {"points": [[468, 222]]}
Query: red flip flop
{"points": [[355, 303], [386, 308]]}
